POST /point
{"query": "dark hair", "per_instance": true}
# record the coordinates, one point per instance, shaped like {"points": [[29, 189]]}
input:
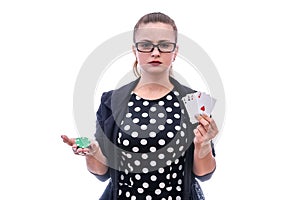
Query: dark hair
{"points": [[152, 18]]}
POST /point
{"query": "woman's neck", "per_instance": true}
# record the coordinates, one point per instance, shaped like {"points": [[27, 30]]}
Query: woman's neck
{"points": [[153, 87]]}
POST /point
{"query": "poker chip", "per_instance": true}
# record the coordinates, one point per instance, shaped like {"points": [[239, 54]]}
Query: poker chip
{"points": [[82, 142]]}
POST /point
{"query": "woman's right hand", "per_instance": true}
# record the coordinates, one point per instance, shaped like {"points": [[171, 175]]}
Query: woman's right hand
{"points": [[96, 161], [76, 150]]}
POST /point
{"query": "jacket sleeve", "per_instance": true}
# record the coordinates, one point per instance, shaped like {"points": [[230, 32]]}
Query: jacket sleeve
{"points": [[103, 177], [206, 176], [102, 113]]}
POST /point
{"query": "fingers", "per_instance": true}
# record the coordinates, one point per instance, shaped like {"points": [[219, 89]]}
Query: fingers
{"points": [[200, 130], [69, 141], [76, 150], [81, 151], [201, 137], [206, 117], [201, 134], [207, 127], [204, 120], [214, 128]]}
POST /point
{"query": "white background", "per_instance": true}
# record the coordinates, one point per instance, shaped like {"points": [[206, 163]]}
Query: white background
{"points": [[254, 45]]}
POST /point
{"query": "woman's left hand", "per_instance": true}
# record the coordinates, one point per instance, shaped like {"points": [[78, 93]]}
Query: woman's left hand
{"points": [[205, 131]]}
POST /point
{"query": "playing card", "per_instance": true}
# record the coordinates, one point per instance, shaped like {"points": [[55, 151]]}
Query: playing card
{"points": [[191, 106], [205, 103], [198, 103]]}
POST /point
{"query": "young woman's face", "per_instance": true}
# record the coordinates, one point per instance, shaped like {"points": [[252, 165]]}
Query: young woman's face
{"points": [[155, 61]]}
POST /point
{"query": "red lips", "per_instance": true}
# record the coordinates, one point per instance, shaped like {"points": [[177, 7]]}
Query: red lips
{"points": [[155, 62]]}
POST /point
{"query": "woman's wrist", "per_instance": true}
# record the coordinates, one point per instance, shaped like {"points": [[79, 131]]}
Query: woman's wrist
{"points": [[96, 152], [202, 150]]}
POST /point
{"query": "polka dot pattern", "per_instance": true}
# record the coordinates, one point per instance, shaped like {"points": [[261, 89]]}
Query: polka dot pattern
{"points": [[149, 167]]}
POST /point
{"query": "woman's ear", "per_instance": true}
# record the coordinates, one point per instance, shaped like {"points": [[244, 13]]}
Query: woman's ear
{"points": [[175, 53], [133, 50]]}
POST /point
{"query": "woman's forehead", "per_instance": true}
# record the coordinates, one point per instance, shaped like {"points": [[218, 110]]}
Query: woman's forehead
{"points": [[155, 32]]}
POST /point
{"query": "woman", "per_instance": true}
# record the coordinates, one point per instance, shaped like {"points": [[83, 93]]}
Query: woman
{"points": [[145, 143]]}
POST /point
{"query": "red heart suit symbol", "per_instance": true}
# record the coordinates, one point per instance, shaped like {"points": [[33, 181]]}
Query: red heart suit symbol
{"points": [[202, 108]]}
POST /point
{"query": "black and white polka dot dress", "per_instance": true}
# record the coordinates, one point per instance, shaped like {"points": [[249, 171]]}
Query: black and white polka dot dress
{"points": [[152, 139]]}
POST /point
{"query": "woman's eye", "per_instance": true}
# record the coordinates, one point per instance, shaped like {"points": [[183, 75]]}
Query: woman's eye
{"points": [[146, 45], [164, 45]]}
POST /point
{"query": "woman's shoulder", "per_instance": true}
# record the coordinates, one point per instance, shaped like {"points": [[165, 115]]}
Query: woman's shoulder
{"points": [[183, 89], [124, 88]]}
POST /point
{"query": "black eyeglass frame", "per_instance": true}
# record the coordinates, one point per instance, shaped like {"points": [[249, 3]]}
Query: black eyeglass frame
{"points": [[156, 45]]}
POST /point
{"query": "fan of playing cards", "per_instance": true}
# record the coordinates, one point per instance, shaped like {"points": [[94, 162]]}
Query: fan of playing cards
{"points": [[198, 103]]}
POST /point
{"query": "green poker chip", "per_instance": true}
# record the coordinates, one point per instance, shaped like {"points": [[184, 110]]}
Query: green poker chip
{"points": [[82, 142]]}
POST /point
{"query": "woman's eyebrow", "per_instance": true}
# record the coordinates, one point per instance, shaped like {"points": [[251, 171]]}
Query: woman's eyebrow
{"points": [[145, 41], [159, 41], [164, 41]]}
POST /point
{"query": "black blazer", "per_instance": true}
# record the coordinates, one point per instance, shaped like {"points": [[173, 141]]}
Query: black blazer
{"points": [[111, 111]]}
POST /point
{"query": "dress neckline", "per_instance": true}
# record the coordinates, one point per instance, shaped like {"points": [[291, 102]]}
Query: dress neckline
{"points": [[156, 99]]}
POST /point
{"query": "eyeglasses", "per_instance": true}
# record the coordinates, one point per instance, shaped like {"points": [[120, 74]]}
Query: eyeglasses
{"points": [[163, 47]]}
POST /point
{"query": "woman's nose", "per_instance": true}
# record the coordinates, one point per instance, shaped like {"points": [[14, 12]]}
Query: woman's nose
{"points": [[155, 52]]}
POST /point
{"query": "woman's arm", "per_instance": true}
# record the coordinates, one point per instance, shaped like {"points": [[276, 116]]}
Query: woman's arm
{"points": [[95, 160], [204, 161]]}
